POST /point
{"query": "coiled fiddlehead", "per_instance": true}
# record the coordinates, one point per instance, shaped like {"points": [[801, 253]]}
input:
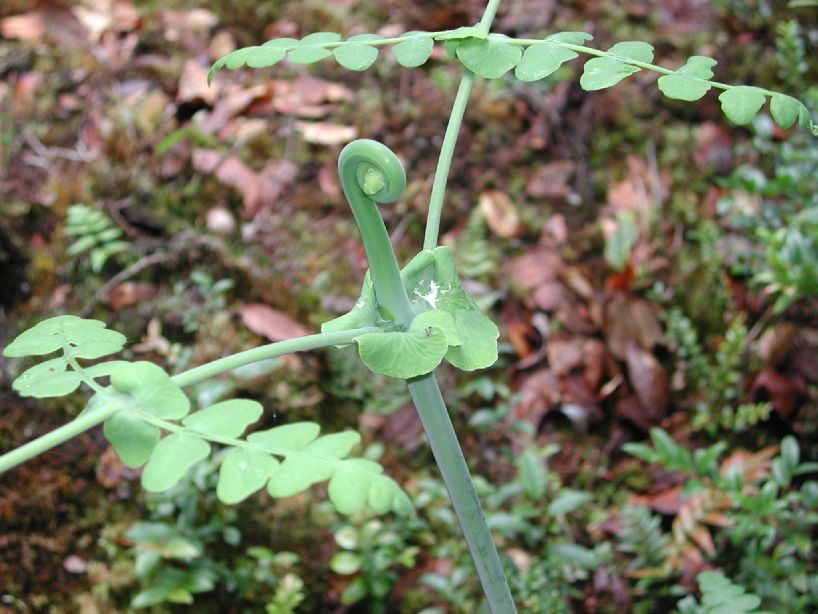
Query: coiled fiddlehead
{"points": [[370, 173]]}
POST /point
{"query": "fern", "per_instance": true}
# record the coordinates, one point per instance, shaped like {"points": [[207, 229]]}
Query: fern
{"points": [[641, 535], [148, 422], [722, 596], [493, 55], [94, 234], [477, 256]]}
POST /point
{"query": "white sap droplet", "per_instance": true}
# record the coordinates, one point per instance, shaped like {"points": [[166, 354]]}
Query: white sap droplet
{"points": [[242, 465], [361, 303], [431, 296]]}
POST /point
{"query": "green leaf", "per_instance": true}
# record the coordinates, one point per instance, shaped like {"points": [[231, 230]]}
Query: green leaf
{"points": [[364, 313], [490, 58], [132, 439], [785, 110], [345, 563], [150, 390], [568, 501], [170, 460], [104, 369], [225, 419], [741, 103], [603, 72], [403, 354], [690, 81], [463, 32], [575, 554], [571, 38], [539, 61], [80, 338], [243, 472], [262, 57], [309, 48], [479, 341], [47, 379], [439, 319], [533, 477], [414, 51], [296, 474], [348, 490], [619, 245], [336, 445], [633, 50], [287, 438], [356, 55], [599, 73], [384, 495]]}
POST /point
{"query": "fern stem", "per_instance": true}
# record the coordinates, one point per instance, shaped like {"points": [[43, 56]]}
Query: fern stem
{"points": [[271, 350], [449, 457], [444, 162], [78, 425]]}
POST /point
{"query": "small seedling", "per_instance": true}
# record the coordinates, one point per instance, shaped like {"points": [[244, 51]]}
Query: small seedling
{"points": [[405, 323]]}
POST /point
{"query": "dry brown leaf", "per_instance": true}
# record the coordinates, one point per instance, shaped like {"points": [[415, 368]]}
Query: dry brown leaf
{"points": [[533, 269], [565, 355], [649, 380], [129, 293], [666, 501], [750, 466], [500, 214], [785, 393], [325, 133], [220, 45], [28, 26], [627, 318], [193, 84], [551, 180], [233, 172], [776, 343], [270, 323]]}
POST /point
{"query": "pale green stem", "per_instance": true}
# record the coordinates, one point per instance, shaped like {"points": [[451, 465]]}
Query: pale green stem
{"points": [[449, 456], [91, 419], [79, 425], [271, 350], [444, 162], [488, 16]]}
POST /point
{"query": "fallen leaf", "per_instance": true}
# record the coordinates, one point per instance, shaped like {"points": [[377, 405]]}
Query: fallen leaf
{"points": [[666, 501], [129, 293], [750, 466], [649, 381], [270, 323], [220, 45], [627, 318], [785, 393], [206, 160], [272, 181], [565, 355], [28, 26], [500, 214], [776, 343], [324, 133], [551, 180], [534, 268], [193, 85]]}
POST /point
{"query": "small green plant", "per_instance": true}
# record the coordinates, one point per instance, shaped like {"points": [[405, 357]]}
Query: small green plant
{"points": [[405, 323], [720, 596], [767, 521], [93, 234]]}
